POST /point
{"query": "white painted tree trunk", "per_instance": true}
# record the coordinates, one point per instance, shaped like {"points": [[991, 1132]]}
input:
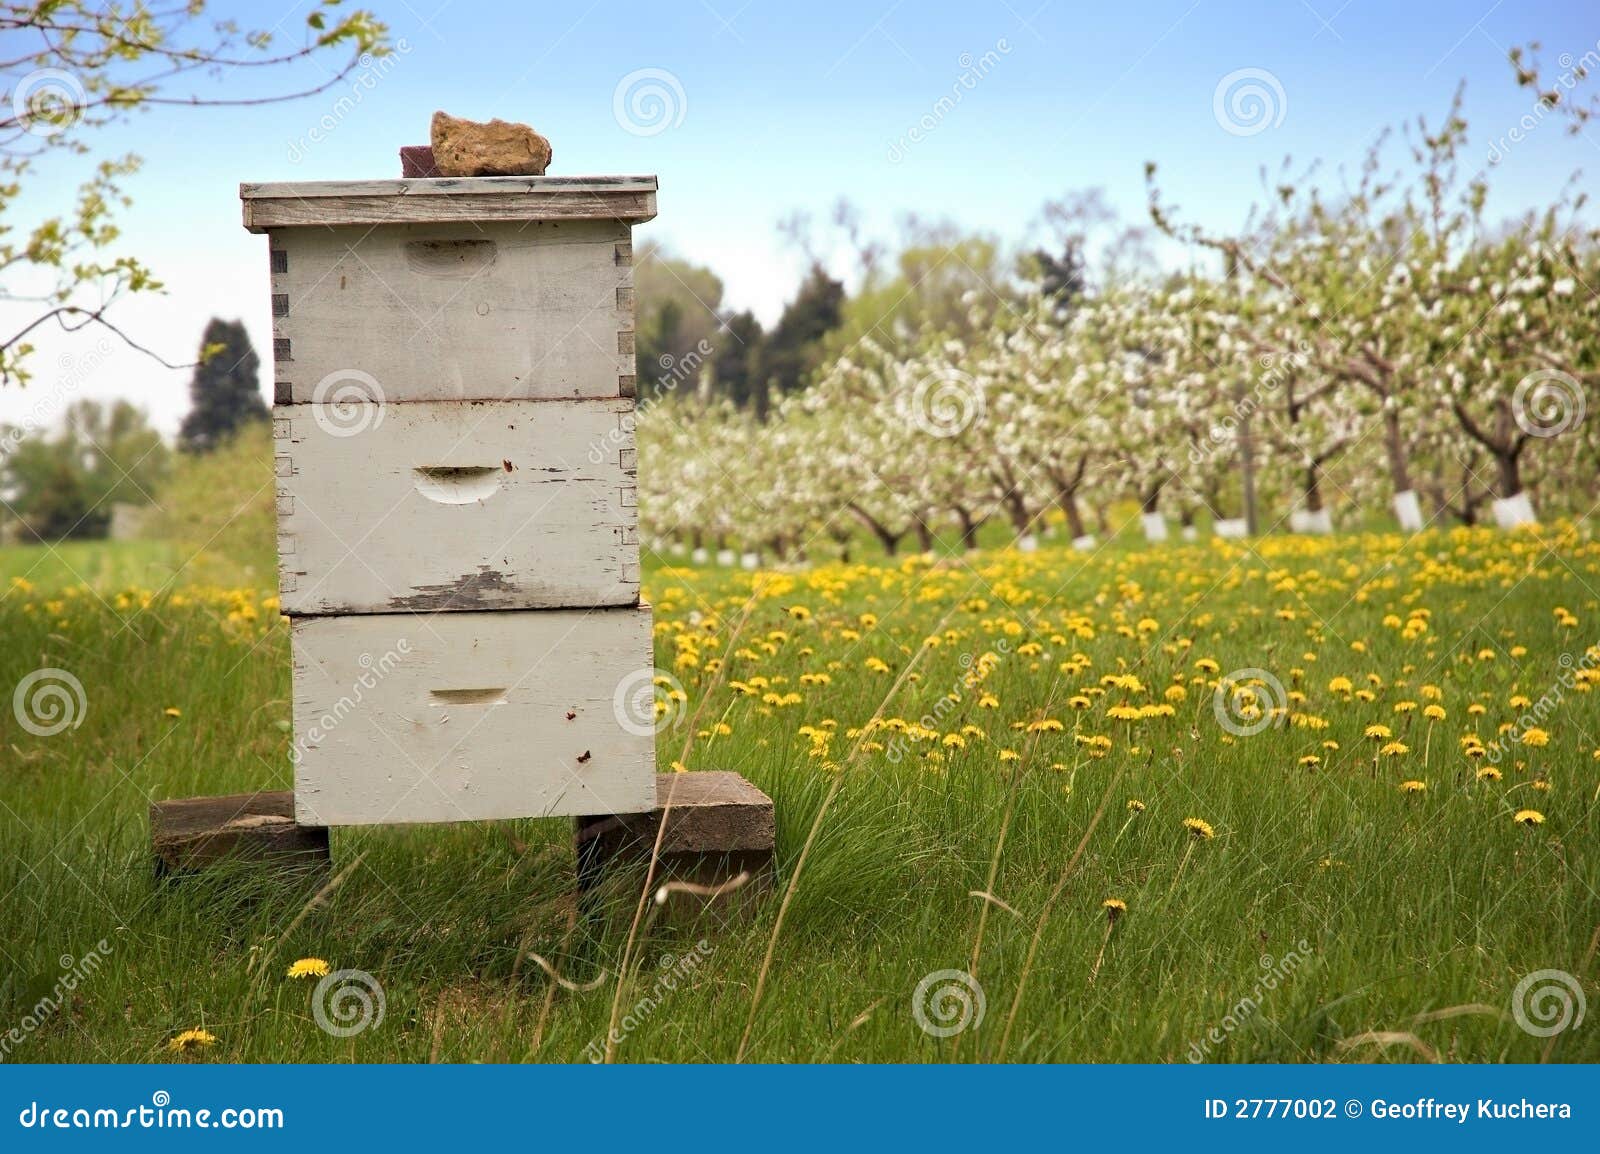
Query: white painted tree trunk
{"points": [[1155, 527], [1511, 512], [1084, 544], [1027, 543], [1408, 511], [1231, 528], [1315, 522]]}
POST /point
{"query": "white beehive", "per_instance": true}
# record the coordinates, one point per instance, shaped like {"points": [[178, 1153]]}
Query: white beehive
{"points": [[456, 483]]}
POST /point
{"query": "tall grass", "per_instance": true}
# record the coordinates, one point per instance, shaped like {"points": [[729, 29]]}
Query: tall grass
{"points": [[1406, 904]]}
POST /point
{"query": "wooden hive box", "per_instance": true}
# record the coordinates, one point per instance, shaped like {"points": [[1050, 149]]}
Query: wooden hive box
{"points": [[456, 481]]}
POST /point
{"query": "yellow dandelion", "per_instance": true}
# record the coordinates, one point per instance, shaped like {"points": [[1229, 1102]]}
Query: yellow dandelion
{"points": [[1394, 749], [1489, 773], [1535, 737], [1379, 732], [1528, 817], [1200, 830], [172, 711], [308, 968], [191, 1040], [1413, 787], [1135, 805], [1114, 908]]}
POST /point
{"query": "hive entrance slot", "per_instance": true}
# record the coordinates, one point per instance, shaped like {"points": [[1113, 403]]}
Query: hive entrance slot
{"points": [[457, 484], [467, 696]]}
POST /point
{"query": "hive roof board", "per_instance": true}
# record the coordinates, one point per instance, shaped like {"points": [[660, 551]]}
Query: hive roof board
{"points": [[437, 200]]}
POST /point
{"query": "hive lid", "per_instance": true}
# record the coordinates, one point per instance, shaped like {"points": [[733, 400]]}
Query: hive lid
{"points": [[440, 200]]}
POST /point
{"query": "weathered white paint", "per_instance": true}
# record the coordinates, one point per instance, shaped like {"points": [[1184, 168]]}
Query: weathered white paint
{"points": [[725, 558], [1155, 527], [1231, 528], [1408, 511], [470, 716], [1190, 533], [1084, 544], [483, 311], [749, 560], [1510, 512], [443, 505], [630, 199], [1027, 543]]}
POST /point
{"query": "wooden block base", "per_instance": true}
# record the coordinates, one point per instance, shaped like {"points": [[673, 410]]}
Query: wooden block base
{"points": [[194, 833], [718, 826]]}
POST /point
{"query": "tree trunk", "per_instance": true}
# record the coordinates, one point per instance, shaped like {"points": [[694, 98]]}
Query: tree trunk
{"points": [[1508, 466], [969, 528], [1314, 487], [1394, 445], [924, 534], [1068, 500]]}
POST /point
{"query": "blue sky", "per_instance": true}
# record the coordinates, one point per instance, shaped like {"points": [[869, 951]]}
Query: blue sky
{"points": [[779, 107]]}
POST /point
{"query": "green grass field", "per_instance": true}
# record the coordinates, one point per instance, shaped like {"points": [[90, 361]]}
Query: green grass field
{"points": [[970, 729]]}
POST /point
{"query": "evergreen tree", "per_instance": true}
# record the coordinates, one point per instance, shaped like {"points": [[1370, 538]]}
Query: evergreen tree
{"points": [[225, 390]]}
